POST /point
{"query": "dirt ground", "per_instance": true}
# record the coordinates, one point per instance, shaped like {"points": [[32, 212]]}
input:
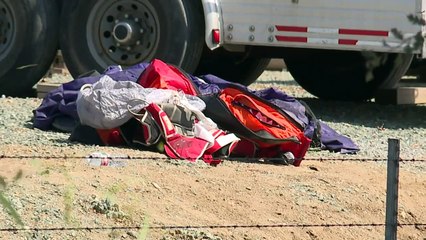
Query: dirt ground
{"points": [[235, 200], [165, 193]]}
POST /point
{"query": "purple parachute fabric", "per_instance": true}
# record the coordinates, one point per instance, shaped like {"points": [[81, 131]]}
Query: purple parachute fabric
{"points": [[335, 142], [329, 138], [62, 101]]}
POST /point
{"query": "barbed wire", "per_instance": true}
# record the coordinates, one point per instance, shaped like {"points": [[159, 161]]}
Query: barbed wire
{"points": [[125, 157], [348, 225], [362, 159]]}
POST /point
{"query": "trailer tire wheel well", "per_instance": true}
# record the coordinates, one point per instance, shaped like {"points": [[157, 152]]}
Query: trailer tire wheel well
{"points": [[345, 75], [242, 68], [28, 46], [94, 34]]}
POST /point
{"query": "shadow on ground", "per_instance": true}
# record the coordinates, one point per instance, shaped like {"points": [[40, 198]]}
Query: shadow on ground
{"points": [[369, 114]]}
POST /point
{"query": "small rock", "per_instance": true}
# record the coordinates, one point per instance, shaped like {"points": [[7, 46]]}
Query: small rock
{"points": [[403, 215], [313, 168], [157, 186], [132, 234]]}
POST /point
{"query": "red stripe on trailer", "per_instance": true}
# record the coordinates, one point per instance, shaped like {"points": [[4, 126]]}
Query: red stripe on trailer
{"points": [[347, 42], [291, 29], [344, 31], [291, 39]]}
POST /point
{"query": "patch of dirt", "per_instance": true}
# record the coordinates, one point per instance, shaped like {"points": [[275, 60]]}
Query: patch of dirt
{"points": [[262, 199]]}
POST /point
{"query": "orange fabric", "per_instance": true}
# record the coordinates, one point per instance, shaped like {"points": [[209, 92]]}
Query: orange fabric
{"points": [[287, 129], [281, 127], [110, 137]]}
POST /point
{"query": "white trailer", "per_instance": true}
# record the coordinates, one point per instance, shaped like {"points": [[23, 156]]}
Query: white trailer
{"points": [[335, 49]]}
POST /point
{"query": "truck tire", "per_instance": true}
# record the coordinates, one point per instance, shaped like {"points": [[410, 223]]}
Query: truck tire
{"points": [[418, 69], [233, 68], [345, 75], [97, 34], [27, 47]]}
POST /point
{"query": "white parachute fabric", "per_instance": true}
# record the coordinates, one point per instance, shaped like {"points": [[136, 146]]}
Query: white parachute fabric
{"points": [[108, 104]]}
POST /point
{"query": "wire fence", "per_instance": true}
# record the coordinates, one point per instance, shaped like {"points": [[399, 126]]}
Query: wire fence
{"points": [[169, 227], [391, 204], [319, 159]]}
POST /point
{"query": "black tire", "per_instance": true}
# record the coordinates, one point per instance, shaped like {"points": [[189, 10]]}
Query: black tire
{"points": [[95, 34], [346, 75], [241, 69], [418, 69], [27, 46]]}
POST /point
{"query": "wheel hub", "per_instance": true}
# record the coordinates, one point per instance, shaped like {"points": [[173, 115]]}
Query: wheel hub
{"points": [[127, 33], [124, 32], [6, 28]]}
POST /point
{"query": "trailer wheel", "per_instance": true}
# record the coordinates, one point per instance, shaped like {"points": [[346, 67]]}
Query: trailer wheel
{"points": [[97, 34], [345, 75], [418, 69], [28, 43], [234, 68]]}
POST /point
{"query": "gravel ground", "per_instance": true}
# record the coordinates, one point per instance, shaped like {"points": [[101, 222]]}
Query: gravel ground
{"points": [[369, 125]]}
